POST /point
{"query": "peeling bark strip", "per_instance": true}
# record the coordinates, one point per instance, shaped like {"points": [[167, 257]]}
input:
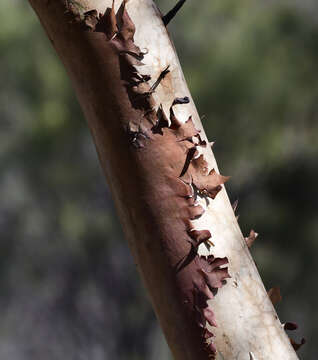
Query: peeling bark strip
{"points": [[275, 297], [251, 238], [151, 133], [157, 133], [291, 327], [160, 169]]}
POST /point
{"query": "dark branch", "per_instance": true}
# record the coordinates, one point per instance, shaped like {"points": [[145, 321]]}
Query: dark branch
{"points": [[173, 12]]}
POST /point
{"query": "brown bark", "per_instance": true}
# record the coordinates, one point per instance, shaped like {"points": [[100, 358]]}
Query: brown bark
{"points": [[158, 170]]}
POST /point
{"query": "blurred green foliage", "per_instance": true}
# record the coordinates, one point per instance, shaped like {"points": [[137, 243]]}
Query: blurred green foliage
{"points": [[69, 288]]}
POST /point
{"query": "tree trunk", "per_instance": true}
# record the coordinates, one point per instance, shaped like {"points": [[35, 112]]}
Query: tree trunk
{"points": [[171, 200]]}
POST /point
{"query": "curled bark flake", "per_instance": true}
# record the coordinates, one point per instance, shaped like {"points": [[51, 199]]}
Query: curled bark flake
{"points": [[142, 97], [124, 41], [201, 294], [75, 13], [191, 201], [90, 20], [274, 295], [108, 23], [162, 122], [183, 189], [251, 238], [207, 185], [137, 79], [127, 49], [138, 91], [203, 314], [144, 78], [207, 334], [190, 155], [290, 326], [186, 260], [200, 165], [211, 350], [209, 316], [187, 131], [120, 30], [173, 12], [181, 100], [214, 181], [210, 277], [183, 131], [195, 212], [210, 269], [199, 236], [126, 27], [210, 263], [201, 142], [297, 346], [175, 123], [234, 206], [135, 54], [146, 91]]}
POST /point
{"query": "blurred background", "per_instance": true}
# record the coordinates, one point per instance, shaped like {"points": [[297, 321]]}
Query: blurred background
{"points": [[68, 285]]}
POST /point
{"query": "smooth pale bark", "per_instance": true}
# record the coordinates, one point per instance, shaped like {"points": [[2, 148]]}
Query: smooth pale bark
{"points": [[248, 327]]}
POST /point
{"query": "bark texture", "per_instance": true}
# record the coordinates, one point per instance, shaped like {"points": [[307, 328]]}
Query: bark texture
{"points": [[170, 197]]}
